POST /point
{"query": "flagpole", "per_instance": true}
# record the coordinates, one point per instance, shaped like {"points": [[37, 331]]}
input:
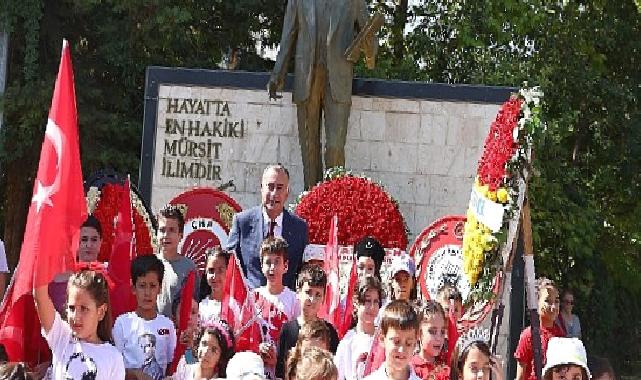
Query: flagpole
{"points": [[132, 241]]}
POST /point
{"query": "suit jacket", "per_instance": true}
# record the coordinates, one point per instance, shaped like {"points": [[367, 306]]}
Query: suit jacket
{"points": [[299, 32], [247, 234]]}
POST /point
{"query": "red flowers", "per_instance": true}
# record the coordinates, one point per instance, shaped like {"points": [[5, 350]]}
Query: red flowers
{"points": [[363, 209], [499, 145], [106, 209]]}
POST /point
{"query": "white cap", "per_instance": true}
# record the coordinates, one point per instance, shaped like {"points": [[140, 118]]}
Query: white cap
{"points": [[245, 365], [403, 262], [566, 351], [314, 252]]}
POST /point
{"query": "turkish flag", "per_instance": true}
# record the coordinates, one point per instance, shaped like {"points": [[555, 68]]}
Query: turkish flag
{"points": [[122, 253], [238, 309], [57, 210], [331, 310], [185, 313], [346, 321]]}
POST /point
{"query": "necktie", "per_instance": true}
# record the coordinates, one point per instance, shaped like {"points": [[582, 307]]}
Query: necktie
{"points": [[272, 224]]}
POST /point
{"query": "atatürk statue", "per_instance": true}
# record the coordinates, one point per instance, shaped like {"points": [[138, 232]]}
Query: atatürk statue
{"points": [[325, 37]]}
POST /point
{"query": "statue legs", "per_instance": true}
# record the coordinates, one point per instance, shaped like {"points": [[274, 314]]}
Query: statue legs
{"points": [[309, 118]]}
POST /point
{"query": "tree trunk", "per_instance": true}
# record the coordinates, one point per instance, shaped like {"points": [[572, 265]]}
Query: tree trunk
{"points": [[18, 190]]}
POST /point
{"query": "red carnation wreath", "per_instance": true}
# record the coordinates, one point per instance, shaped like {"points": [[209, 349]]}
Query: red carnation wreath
{"points": [[103, 204], [362, 206], [500, 145]]}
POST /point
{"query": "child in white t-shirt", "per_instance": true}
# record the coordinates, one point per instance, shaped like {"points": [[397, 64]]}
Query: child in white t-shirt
{"points": [[277, 303], [357, 342], [80, 346], [215, 273], [145, 338]]}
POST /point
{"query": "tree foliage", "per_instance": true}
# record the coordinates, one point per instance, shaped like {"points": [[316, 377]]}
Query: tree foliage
{"points": [[586, 195]]}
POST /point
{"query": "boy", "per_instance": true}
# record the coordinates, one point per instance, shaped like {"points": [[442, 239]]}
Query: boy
{"points": [[548, 308], [145, 338], [399, 335], [177, 267], [311, 295], [276, 302]]}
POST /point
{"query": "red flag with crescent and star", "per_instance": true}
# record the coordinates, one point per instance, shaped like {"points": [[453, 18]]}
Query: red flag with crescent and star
{"points": [[331, 310], [57, 210]]}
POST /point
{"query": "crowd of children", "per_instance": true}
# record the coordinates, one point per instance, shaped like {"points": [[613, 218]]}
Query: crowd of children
{"points": [[393, 335]]}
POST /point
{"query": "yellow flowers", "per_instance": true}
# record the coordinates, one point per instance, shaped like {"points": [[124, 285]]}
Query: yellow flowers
{"points": [[478, 238]]}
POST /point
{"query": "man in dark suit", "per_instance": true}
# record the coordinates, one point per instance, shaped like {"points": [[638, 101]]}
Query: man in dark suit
{"points": [[250, 227], [320, 31]]}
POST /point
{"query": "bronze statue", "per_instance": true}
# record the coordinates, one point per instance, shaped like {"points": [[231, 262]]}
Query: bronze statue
{"points": [[326, 37]]}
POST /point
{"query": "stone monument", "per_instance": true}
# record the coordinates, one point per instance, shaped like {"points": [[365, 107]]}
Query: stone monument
{"points": [[322, 38]]}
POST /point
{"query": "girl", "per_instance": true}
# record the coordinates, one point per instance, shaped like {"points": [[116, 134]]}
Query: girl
{"points": [[569, 322], [403, 286], [215, 348], [88, 250], [472, 360], [313, 334], [356, 343], [215, 272], [316, 364], [427, 363], [81, 346], [566, 360]]}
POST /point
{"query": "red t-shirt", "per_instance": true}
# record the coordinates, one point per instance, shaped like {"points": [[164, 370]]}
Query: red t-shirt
{"points": [[429, 371], [524, 352]]}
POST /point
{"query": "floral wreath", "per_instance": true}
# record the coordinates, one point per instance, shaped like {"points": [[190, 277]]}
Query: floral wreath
{"points": [[363, 207], [102, 202], [499, 189]]}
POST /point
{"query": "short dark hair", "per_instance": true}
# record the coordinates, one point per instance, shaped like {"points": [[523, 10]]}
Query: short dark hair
{"points": [[144, 264], [274, 244], [313, 275], [173, 212], [431, 308], [399, 314], [94, 223]]}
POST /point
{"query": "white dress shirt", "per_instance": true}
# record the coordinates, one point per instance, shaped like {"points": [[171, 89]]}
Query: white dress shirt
{"points": [[278, 228]]}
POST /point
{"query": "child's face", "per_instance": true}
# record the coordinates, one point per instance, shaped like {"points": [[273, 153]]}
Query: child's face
{"points": [[273, 267], [402, 285], [399, 347], [365, 266], [216, 271], [209, 351], [448, 304], [311, 298], [90, 242], [146, 290], [433, 333], [169, 234], [368, 310], [549, 303], [84, 314], [476, 366], [567, 372]]}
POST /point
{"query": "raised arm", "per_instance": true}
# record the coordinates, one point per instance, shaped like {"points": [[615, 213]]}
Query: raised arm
{"points": [[44, 307]]}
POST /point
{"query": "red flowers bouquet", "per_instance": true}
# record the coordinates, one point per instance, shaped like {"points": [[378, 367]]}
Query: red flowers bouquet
{"points": [[500, 145], [362, 206], [103, 204]]}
